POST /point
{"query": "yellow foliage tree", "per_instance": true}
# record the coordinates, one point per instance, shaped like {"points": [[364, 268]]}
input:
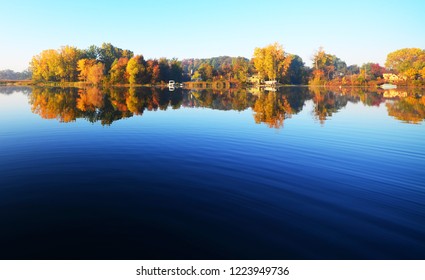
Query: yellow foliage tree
{"points": [[272, 62], [409, 62], [135, 69], [68, 59], [44, 66]]}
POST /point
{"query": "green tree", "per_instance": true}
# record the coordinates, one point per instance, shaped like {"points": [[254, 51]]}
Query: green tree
{"points": [[205, 72], [164, 69], [353, 69], [107, 54], [297, 72], [176, 70]]}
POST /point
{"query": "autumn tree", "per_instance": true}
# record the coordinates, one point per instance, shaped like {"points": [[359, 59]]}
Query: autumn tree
{"points": [[240, 67], [152, 71], [118, 73], [68, 59], [205, 72], [90, 71], [409, 62], [44, 66], [95, 75], [108, 53], [83, 66], [373, 70], [56, 65], [271, 62], [323, 65], [136, 69]]}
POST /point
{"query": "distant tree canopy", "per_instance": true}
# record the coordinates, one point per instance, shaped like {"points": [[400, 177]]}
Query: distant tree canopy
{"points": [[12, 75], [222, 67]]}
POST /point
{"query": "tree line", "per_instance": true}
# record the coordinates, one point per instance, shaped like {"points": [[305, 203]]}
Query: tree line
{"points": [[112, 65], [12, 75], [104, 64], [407, 64]]}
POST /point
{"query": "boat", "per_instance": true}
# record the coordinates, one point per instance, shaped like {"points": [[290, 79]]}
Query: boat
{"points": [[388, 86]]}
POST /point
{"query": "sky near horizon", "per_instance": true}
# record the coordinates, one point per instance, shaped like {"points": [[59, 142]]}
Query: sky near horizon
{"points": [[355, 31]]}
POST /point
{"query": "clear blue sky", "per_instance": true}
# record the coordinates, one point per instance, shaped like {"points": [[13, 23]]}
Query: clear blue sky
{"points": [[356, 31]]}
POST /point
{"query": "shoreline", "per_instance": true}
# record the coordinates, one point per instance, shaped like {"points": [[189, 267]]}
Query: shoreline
{"points": [[220, 84]]}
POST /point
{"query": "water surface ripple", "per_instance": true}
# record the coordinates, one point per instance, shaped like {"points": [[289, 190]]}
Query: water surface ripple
{"points": [[203, 183]]}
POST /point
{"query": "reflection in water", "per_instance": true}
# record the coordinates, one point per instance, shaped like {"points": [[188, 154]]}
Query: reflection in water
{"points": [[326, 103], [58, 104], [171, 187], [270, 108], [410, 109], [394, 93], [11, 90]]}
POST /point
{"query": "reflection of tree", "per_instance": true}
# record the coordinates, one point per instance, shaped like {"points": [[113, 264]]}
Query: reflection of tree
{"points": [[55, 103], [13, 89], [296, 97], [326, 103], [104, 105], [90, 99], [272, 108], [409, 109], [370, 98], [176, 99], [239, 99], [114, 107]]}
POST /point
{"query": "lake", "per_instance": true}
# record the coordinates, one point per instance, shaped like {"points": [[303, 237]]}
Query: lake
{"points": [[145, 173]]}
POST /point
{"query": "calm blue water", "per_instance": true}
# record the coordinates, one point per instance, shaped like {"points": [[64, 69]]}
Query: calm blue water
{"points": [[152, 174]]}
